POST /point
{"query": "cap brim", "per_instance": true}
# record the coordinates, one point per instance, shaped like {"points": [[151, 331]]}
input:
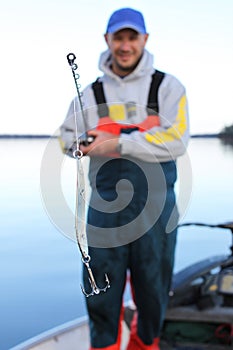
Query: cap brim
{"points": [[122, 26]]}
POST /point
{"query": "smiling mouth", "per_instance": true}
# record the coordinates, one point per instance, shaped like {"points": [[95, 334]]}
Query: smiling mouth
{"points": [[125, 57]]}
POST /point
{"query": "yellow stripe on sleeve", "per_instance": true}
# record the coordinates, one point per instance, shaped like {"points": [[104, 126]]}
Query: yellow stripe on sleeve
{"points": [[62, 144], [175, 131]]}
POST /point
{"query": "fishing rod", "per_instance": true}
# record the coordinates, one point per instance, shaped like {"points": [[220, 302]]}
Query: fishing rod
{"points": [[80, 216], [225, 225], [85, 139]]}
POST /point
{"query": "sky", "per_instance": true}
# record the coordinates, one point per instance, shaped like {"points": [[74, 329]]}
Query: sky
{"points": [[192, 40]]}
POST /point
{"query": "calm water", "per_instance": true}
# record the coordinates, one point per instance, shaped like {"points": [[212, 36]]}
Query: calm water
{"points": [[40, 267]]}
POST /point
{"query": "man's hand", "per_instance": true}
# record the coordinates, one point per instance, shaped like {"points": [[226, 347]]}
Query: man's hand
{"points": [[104, 143]]}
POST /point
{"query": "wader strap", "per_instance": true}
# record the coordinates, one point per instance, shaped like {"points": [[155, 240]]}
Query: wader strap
{"points": [[98, 90], [152, 103]]}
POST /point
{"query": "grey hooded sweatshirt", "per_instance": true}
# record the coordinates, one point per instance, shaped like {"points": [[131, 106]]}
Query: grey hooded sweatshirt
{"points": [[161, 143]]}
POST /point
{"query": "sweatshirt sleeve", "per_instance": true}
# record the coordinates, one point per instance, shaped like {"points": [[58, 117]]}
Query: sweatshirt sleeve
{"points": [[67, 131], [168, 140]]}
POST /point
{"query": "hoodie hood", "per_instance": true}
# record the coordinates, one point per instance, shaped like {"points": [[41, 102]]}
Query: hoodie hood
{"points": [[145, 66]]}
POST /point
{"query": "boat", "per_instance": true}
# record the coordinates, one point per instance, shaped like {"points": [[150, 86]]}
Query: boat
{"points": [[199, 314]]}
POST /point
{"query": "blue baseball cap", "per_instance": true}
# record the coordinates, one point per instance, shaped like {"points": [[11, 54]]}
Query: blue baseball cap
{"points": [[126, 18]]}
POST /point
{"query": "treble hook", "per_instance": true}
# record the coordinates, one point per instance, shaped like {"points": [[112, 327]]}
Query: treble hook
{"points": [[95, 290]]}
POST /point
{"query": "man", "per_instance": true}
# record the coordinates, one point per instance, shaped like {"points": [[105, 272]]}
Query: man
{"points": [[132, 216]]}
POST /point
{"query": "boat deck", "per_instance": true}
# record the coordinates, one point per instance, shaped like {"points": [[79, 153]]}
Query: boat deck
{"points": [[74, 335], [216, 314]]}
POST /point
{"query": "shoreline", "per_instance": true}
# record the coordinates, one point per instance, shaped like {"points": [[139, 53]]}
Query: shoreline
{"points": [[26, 136], [46, 136], [226, 138]]}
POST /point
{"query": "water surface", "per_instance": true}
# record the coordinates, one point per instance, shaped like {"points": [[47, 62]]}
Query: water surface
{"points": [[40, 268]]}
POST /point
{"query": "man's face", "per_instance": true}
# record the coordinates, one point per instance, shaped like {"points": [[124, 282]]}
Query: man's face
{"points": [[126, 47]]}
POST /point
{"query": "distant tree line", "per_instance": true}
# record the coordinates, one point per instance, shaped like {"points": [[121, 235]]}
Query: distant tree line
{"points": [[227, 131], [226, 135]]}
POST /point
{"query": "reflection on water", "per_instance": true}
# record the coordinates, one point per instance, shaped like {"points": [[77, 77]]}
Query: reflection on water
{"points": [[227, 141], [40, 267]]}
